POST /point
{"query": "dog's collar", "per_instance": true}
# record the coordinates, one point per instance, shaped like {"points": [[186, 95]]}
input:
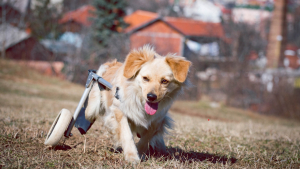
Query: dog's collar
{"points": [[117, 93]]}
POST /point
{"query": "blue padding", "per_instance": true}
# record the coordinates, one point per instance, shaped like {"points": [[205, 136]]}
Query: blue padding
{"points": [[81, 123]]}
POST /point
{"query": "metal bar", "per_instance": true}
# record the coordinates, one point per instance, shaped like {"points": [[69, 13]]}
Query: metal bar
{"points": [[89, 79], [92, 77], [77, 111], [104, 82]]}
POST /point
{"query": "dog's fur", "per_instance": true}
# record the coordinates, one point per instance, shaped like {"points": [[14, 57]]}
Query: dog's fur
{"points": [[141, 74]]}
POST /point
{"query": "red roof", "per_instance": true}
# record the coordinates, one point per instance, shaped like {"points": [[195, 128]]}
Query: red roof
{"points": [[141, 18], [185, 26], [138, 18], [196, 28], [81, 15]]}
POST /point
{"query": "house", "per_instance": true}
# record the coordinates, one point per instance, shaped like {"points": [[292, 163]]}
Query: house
{"points": [[150, 28], [62, 50], [18, 44], [77, 20], [13, 12], [292, 56], [250, 16], [202, 10], [169, 34]]}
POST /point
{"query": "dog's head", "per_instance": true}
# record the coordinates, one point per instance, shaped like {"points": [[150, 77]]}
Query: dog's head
{"points": [[157, 76]]}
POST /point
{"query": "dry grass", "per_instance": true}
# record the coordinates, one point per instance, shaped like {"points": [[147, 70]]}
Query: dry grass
{"points": [[232, 138]]}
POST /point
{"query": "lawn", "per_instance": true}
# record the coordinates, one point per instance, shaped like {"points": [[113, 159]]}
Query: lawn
{"points": [[204, 136]]}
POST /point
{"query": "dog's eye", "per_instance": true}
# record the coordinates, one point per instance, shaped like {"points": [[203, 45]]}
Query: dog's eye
{"points": [[164, 81], [146, 79]]}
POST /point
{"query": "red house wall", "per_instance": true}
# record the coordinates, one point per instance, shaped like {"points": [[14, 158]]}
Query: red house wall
{"points": [[28, 49], [160, 35]]}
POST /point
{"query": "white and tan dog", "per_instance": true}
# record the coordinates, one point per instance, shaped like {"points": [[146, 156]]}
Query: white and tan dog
{"points": [[144, 87]]}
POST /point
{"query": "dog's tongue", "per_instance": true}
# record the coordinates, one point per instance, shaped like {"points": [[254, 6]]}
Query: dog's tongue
{"points": [[151, 108]]}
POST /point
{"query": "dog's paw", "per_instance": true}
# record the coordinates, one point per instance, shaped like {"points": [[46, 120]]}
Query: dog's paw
{"points": [[90, 116], [143, 157], [132, 157]]}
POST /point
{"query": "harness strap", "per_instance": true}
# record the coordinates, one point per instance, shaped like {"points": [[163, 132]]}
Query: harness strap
{"points": [[117, 93]]}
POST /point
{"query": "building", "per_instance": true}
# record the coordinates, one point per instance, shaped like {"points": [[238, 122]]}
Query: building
{"points": [[77, 20], [169, 34], [18, 44], [203, 10], [292, 56], [166, 34], [13, 13]]}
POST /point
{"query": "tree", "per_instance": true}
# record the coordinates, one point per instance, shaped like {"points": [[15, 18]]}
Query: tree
{"points": [[108, 19], [163, 7], [69, 5], [294, 33], [44, 20]]}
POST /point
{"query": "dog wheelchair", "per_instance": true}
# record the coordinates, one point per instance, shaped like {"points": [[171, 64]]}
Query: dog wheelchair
{"points": [[64, 122]]}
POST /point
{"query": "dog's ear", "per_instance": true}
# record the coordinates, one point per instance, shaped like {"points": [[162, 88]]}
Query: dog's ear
{"points": [[179, 66], [134, 60]]}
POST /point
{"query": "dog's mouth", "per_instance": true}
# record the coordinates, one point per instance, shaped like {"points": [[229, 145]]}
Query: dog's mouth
{"points": [[151, 108]]}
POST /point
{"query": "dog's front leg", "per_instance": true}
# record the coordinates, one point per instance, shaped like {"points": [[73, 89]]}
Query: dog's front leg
{"points": [[153, 136], [143, 143], [124, 136]]}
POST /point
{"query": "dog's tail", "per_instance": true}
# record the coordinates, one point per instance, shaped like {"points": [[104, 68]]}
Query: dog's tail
{"points": [[102, 69], [96, 105]]}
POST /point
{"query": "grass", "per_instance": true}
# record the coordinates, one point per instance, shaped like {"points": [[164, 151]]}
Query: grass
{"points": [[203, 137]]}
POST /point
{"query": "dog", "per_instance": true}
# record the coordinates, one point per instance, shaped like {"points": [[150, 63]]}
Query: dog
{"points": [[144, 88]]}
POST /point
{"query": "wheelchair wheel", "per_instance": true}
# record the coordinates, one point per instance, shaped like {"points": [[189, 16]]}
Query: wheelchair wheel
{"points": [[58, 128]]}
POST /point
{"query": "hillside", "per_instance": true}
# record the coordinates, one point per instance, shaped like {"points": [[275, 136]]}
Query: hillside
{"points": [[203, 137]]}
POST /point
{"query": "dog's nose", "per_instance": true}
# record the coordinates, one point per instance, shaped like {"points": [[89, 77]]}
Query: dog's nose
{"points": [[151, 97]]}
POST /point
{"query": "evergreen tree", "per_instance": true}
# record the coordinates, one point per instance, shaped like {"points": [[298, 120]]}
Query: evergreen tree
{"points": [[44, 20], [108, 19]]}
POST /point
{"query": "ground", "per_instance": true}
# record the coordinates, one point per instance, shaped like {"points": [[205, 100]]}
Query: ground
{"points": [[205, 135]]}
